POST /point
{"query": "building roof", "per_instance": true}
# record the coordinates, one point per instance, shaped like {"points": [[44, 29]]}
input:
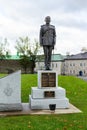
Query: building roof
{"points": [[13, 57], [58, 57], [55, 57], [79, 56]]}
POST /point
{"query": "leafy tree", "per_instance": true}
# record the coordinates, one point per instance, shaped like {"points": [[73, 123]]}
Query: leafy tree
{"points": [[4, 51], [28, 53]]}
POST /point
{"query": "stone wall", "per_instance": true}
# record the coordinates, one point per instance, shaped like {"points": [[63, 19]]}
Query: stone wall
{"points": [[8, 66]]}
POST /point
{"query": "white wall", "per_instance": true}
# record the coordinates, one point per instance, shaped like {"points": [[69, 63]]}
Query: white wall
{"points": [[73, 67], [54, 65]]}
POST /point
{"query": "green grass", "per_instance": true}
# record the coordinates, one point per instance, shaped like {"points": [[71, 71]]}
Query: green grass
{"points": [[76, 90]]}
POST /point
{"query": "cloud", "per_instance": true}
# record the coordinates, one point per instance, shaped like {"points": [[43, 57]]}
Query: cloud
{"points": [[24, 17], [60, 5], [75, 5]]}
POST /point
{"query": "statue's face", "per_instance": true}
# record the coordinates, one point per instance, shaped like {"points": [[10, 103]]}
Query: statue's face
{"points": [[47, 20]]}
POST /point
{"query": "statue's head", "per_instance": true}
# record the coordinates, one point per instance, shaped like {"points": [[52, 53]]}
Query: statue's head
{"points": [[47, 19]]}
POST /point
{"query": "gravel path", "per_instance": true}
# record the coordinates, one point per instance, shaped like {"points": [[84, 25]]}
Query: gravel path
{"points": [[82, 77]]}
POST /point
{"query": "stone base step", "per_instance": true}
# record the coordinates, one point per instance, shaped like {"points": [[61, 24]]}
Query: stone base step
{"points": [[58, 92], [44, 103]]}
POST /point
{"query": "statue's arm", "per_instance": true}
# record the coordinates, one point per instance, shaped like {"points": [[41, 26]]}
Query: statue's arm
{"points": [[54, 35], [41, 36]]}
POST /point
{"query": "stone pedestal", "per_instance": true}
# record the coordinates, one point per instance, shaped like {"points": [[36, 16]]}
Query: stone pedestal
{"points": [[48, 92]]}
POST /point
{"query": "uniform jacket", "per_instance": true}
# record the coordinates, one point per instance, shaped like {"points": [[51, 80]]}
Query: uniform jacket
{"points": [[47, 35]]}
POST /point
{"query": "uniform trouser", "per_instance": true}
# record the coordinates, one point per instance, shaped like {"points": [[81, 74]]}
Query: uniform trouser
{"points": [[47, 54]]}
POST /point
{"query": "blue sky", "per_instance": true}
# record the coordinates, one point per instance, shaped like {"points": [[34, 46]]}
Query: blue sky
{"points": [[24, 18]]}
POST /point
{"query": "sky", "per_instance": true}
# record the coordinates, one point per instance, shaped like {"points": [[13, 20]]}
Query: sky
{"points": [[21, 18]]}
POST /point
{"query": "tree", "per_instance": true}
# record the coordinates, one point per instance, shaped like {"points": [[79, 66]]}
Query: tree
{"points": [[4, 51], [28, 53]]}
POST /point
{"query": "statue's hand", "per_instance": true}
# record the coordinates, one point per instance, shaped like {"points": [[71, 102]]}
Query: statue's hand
{"points": [[53, 47]]}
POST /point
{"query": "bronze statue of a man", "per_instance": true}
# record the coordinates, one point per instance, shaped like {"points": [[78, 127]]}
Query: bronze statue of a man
{"points": [[47, 40]]}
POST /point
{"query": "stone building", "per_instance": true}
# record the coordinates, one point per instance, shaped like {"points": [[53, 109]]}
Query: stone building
{"points": [[66, 65], [75, 65], [56, 63]]}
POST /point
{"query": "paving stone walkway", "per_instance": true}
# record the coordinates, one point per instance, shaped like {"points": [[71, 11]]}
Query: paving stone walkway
{"points": [[27, 111]]}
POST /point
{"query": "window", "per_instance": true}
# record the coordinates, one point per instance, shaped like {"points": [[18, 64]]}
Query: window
{"points": [[70, 64], [73, 71], [73, 64], [64, 64], [52, 65], [70, 71], [80, 64], [56, 65]]}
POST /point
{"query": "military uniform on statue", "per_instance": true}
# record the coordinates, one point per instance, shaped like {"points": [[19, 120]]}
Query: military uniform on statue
{"points": [[47, 40]]}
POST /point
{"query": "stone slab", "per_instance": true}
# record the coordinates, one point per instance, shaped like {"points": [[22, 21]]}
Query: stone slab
{"points": [[27, 111], [39, 93], [11, 107], [10, 88], [44, 103], [10, 91]]}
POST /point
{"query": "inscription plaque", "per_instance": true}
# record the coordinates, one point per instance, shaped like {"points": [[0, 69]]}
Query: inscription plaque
{"points": [[49, 94], [48, 79]]}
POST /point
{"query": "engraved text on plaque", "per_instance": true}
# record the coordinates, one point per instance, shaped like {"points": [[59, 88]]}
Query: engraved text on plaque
{"points": [[48, 94], [48, 79]]}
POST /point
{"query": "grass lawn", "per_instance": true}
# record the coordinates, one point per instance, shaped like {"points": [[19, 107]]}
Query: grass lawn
{"points": [[76, 90]]}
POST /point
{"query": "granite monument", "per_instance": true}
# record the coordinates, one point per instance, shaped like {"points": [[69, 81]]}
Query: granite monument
{"points": [[10, 92]]}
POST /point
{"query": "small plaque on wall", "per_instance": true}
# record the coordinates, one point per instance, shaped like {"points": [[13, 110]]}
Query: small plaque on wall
{"points": [[49, 94], [48, 80]]}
